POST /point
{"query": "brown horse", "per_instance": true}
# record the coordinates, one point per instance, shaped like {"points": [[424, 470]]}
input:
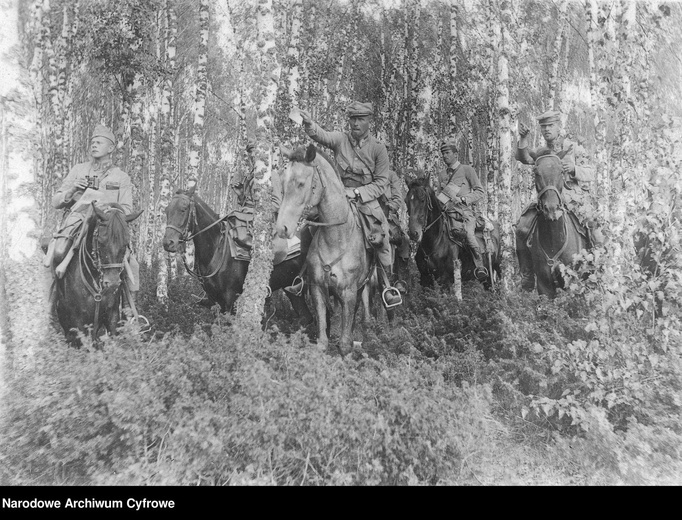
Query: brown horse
{"points": [[221, 275], [555, 235], [436, 251], [89, 293], [338, 263]]}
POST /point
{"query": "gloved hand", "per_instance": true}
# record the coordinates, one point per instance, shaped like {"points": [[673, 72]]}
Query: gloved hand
{"points": [[305, 115]]}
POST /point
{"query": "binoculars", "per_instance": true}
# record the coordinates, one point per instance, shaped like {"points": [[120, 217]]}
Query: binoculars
{"points": [[93, 181]]}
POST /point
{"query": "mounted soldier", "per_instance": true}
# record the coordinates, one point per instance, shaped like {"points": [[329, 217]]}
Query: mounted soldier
{"points": [[458, 191], [364, 168], [578, 172], [391, 202], [96, 180]]}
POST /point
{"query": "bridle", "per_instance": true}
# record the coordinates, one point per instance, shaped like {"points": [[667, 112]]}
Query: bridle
{"points": [[549, 187], [302, 221], [191, 224], [93, 276], [551, 261]]}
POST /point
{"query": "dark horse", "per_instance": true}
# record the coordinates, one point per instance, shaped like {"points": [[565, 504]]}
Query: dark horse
{"points": [[436, 251], [89, 293], [222, 276], [339, 265], [555, 234]]}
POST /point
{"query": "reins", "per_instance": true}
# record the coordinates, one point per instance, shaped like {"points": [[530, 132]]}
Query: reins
{"points": [[185, 236], [551, 261], [87, 259]]}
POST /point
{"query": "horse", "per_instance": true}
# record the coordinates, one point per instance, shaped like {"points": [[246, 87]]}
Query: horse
{"points": [[89, 292], [436, 251], [555, 235], [221, 275], [339, 265]]}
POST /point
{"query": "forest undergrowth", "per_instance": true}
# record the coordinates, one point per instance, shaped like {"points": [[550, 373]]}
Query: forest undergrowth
{"points": [[500, 388]]}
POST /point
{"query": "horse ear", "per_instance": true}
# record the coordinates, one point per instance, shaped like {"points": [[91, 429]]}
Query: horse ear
{"points": [[192, 187], [100, 214], [132, 216], [310, 153]]}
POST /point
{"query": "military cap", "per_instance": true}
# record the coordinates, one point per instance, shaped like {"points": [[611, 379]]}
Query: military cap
{"points": [[357, 109], [103, 131], [548, 117], [250, 145], [448, 144]]}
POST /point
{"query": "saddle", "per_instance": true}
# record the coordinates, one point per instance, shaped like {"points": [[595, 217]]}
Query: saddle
{"points": [[239, 231], [371, 228]]}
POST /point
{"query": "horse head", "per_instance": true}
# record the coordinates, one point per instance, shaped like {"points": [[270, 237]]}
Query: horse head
{"points": [[180, 219], [301, 189], [420, 203], [549, 183], [110, 241]]}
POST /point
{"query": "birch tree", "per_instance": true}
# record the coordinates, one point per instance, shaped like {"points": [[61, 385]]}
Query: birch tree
{"points": [[250, 304], [201, 86]]}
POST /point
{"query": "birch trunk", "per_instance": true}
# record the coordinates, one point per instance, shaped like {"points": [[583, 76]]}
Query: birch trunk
{"points": [[251, 302], [555, 56], [200, 97], [166, 147], [505, 148]]}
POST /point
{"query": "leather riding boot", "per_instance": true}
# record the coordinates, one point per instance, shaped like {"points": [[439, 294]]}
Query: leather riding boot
{"points": [[480, 271], [297, 287], [595, 234], [52, 308]]}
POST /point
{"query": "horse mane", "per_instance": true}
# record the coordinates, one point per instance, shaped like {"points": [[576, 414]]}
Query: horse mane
{"points": [[212, 214], [299, 154]]}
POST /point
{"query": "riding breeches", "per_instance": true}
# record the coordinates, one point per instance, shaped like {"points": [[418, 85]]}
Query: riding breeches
{"points": [[467, 227]]}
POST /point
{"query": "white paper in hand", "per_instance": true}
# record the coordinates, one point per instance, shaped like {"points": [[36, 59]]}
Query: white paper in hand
{"points": [[295, 116]]}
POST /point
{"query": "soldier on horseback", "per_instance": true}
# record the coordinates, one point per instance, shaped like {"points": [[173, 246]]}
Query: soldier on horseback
{"points": [[578, 174], [458, 191], [364, 168], [391, 202], [98, 179]]}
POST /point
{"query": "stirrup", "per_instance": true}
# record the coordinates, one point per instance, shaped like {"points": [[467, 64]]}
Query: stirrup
{"points": [[481, 273], [391, 292], [143, 322], [296, 288]]}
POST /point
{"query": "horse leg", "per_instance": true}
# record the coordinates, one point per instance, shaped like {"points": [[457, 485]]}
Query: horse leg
{"points": [[348, 301], [545, 283], [525, 258], [322, 312], [300, 308]]}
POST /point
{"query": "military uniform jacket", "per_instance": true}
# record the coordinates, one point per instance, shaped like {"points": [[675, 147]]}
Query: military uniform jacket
{"points": [[394, 192], [461, 180], [362, 165], [114, 186], [577, 156]]}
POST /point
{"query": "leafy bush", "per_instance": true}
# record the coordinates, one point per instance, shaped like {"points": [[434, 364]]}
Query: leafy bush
{"points": [[234, 408]]}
